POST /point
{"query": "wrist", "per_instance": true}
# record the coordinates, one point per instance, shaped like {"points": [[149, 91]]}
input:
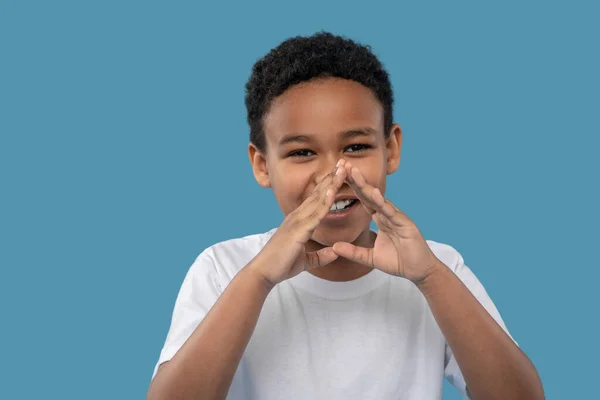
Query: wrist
{"points": [[436, 269], [255, 274]]}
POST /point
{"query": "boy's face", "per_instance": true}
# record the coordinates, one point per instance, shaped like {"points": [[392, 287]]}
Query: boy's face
{"points": [[325, 120]]}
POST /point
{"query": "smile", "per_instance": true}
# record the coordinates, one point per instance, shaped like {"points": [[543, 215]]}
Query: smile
{"points": [[342, 205]]}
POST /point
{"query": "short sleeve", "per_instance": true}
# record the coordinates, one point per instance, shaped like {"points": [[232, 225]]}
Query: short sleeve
{"points": [[198, 293], [452, 372]]}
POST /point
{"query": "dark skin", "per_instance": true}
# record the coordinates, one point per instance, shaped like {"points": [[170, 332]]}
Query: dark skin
{"points": [[337, 147], [307, 131], [351, 130]]}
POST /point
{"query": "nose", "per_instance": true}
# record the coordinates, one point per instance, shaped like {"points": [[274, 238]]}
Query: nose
{"points": [[325, 167]]}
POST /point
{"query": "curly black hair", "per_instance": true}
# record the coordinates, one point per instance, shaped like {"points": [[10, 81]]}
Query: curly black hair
{"points": [[299, 59]]}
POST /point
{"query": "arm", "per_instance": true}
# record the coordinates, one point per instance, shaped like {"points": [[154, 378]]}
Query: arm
{"points": [[205, 365], [492, 364]]}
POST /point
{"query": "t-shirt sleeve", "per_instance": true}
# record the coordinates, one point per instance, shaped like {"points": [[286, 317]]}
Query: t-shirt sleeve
{"points": [[199, 291], [452, 371]]}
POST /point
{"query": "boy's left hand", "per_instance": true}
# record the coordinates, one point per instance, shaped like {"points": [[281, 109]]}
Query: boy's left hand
{"points": [[399, 249]]}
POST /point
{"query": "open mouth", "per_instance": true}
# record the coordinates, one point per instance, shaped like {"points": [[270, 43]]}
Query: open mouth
{"points": [[342, 205]]}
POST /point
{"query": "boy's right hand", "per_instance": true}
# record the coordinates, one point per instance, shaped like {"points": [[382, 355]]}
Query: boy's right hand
{"points": [[284, 256]]}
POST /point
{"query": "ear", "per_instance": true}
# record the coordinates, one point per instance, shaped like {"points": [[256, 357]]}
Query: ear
{"points": [[393, 146], [259, 166]]}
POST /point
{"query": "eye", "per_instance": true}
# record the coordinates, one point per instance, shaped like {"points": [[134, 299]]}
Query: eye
{"points": [[301, 153], [358, 148]]}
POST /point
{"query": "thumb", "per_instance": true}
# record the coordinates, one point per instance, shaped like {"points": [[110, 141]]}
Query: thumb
{"points": [[319, 258], [354, 253]]}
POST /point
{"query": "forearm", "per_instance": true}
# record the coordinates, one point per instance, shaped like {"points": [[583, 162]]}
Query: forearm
{"points": [[205, 365], [492, 364]]}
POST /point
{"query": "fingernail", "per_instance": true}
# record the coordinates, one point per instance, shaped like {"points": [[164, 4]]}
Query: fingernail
{"points": [[350, 174], [339, 162]]}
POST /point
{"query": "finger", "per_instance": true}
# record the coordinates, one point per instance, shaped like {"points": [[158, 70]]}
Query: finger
{"points": [[319, 258], [320, 191], [385, 207], [354, 253], [360, 186], [336, 178], [305, 219], [336, 183], [327, 200], [373, 197], [323, 196], [311, 213]]}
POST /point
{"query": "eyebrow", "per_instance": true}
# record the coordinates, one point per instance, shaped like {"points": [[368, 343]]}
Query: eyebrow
{"points": [[304, 138]]}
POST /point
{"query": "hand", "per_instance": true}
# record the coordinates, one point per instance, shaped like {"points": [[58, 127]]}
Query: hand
{"points": [[399, 249], [285, 256]]}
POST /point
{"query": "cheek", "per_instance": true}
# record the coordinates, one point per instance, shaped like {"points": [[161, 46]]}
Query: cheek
{"points": [[289, 186], [374, 172], [378, 181], [382, 185]]}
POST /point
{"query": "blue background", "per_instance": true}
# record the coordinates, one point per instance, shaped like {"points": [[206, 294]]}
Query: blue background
{"points": [[123, 154]]}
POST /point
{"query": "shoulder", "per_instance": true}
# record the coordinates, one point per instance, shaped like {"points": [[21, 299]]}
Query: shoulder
{"points": [[228, 257], [454, 260], [447, 254], [238, 249]]}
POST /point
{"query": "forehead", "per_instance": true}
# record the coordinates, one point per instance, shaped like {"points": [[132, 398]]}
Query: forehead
{"points": [[323, 108]]}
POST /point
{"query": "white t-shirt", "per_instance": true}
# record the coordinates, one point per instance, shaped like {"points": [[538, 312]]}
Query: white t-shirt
{"points": [[371, 338]]}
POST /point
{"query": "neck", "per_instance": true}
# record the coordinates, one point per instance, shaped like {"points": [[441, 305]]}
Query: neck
{"points": [[342, 269]]}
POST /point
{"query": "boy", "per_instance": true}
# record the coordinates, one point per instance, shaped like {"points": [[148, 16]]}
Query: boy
{"points": [[322, 307]]}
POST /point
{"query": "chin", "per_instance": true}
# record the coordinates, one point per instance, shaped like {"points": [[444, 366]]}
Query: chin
{"points": [[327, 236]]}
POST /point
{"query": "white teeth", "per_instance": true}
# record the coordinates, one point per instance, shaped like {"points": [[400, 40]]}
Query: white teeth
{"points": [[340, 205]]}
